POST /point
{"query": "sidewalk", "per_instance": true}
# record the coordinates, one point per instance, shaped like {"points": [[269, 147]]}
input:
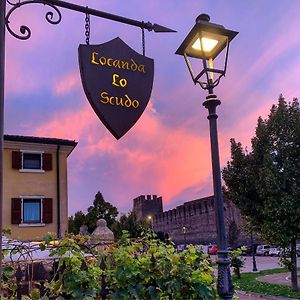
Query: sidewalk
{"points": [[279, 278], [252, 296]]}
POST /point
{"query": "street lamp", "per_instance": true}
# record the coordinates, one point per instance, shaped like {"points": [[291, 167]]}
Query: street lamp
{"points": [[150, 220], [184, 230], [206, 41]]}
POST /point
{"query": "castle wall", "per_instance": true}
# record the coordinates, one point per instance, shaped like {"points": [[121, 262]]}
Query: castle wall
{"points": [[192, 222]]}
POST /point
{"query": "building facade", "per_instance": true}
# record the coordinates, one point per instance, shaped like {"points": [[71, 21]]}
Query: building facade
{"points": [[35, 199], [192, 222]]}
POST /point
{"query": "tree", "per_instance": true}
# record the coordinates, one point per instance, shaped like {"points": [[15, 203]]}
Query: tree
{"points": [[265, 183], [131, 224], [99, 210], [233, 234], [76, 222]]}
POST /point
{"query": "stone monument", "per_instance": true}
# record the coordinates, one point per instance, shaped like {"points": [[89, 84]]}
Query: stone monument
{"points": [[102, 236]]}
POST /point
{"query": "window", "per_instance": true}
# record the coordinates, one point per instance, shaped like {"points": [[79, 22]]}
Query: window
{"points": [[31, 161], [31, 210]]}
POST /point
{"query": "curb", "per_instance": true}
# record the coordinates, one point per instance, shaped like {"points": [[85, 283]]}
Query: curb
{"points": [[268, 297]]}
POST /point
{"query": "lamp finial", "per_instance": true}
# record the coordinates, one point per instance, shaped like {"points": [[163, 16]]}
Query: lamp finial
{"points": [[203, 17]]}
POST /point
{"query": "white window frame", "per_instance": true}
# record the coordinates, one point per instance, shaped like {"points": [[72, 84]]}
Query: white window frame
{"points": [[32, 170], [37, 197]]}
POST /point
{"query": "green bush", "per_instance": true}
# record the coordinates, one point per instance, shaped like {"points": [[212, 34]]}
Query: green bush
{"points": [[237, 261], [145, 268]]}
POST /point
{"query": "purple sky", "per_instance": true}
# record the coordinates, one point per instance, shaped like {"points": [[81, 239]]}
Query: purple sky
{"points": [[167, 152]]}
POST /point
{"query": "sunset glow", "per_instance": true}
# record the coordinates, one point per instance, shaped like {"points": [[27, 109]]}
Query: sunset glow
{"points": [[167, 152]]}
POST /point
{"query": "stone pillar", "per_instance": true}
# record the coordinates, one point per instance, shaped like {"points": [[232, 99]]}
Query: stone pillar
{"points": [[102, 235]]}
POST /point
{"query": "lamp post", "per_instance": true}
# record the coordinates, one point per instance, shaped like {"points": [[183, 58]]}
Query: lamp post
{"points": [[254, 267], [206, 41]]}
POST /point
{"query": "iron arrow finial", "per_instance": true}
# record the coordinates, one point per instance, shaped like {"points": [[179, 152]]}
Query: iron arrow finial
{"points": [[157, 28]]}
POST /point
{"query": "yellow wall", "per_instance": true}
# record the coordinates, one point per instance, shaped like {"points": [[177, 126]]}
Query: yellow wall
{"points": [[17, 183]]}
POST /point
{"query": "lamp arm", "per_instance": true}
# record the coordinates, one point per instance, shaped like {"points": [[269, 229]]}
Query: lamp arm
{"points": [[25, 30]]}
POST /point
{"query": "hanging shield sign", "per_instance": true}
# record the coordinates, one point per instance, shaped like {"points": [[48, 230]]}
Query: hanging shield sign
{"points": [[117, 82]]}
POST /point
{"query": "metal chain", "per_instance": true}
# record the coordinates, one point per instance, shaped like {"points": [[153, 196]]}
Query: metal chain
{"points": [[143, 40], [87, 28]]}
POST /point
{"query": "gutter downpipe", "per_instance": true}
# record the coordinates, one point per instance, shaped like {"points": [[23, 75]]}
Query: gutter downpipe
{"points": [[58, 191]]}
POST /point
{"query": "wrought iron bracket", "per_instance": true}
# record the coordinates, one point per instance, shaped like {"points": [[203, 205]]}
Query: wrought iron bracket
{"points": [[54, 16]]}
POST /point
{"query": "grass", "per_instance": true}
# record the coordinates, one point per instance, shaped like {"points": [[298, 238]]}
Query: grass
{"points": [[248, 283]]}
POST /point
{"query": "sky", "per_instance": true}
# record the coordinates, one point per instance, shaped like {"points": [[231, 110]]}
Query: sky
{"points": [[167, 152]]}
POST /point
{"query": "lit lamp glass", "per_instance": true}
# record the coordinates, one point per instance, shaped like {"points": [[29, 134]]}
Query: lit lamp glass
{"points": [[206, 41]]}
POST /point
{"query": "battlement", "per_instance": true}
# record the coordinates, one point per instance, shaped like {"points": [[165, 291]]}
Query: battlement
{"points": [[186, 210], [147, 205]]}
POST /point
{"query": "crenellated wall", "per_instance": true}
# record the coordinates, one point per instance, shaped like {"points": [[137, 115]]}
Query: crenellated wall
{"points": [[192, 222]]}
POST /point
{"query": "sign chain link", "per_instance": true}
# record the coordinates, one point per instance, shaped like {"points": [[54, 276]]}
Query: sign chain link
{"points": [[143, 40], [87, 28]]}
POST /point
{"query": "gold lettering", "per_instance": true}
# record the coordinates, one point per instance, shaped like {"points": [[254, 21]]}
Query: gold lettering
{"points": [[128, 101], [114, 82], [118, 82], [108, 60], [116, 64], [141, 68], [102, 60], [104, 95], [125, 65], [93, 61], [133, 66], [119, 101], [123, 82], [111, 100], [135, 103]]}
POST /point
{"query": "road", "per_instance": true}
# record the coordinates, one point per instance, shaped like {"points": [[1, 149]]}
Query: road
{"points": [[263, 263]]}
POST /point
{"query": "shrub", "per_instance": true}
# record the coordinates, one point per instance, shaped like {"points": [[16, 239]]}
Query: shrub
{"points": [[144, 268]]}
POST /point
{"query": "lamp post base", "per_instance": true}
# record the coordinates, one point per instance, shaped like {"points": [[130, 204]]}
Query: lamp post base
{"points": [[224, 283]]}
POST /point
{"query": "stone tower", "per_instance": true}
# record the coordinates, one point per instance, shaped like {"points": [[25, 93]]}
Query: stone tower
{"points": [[147, 206]]}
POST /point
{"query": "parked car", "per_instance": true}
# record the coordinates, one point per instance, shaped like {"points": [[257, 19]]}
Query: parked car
{"points": [[263, 250], [202, 248], [275, 251], [213, 249], [180, 247]]}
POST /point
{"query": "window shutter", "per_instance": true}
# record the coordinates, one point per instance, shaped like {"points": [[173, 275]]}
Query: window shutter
{"points": [[47, 161], [17, 160], [16, 211], [47, 210]]}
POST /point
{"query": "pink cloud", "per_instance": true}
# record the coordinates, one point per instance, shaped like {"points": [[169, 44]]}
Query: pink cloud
{"points": [[68, 124], [67, 83], [159, 158]]}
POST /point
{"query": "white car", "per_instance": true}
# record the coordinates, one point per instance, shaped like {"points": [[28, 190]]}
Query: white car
{"points": [[263, 250], [275, 251]]}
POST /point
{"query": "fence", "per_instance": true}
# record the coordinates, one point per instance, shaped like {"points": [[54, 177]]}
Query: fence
{"points": [[34, 275]]}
